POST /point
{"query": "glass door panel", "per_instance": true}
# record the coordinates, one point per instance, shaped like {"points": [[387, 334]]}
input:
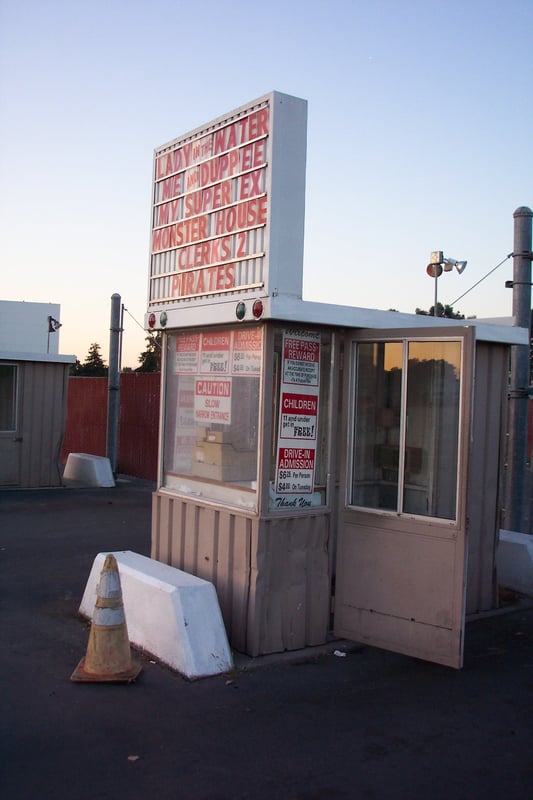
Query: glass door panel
{"points": [[432, 429], [377, 425]]}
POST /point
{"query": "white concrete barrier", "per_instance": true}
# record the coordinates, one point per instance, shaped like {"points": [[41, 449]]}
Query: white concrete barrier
{"points": [[88, 469], [171, 614], [514, 561]]}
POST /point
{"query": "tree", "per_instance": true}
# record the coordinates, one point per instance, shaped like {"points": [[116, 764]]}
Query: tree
{"points": [[150, 359], [93, 366], [442, 311]]}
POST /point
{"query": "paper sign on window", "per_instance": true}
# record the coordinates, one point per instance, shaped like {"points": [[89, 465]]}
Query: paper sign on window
{"points": [[298, 417]]}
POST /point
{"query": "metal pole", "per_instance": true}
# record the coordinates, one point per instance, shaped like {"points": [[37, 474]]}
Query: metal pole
{"points": [[113, 386], [435, 303], [519, 382], [121, 332]]}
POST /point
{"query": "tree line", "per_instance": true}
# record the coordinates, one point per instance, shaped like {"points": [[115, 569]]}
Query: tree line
{"points": [[94, 365]]}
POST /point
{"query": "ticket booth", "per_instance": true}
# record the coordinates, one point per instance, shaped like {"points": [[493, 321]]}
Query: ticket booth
{"points": [[328, 468]]}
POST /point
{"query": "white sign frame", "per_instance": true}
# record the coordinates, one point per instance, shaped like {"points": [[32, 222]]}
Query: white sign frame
{"points": [[262, 146]]}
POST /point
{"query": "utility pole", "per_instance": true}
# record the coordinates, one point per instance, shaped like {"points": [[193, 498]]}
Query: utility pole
{"points": [[113, 385], [517, 455]]}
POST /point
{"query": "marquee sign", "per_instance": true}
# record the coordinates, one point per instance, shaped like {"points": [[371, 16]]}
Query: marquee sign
{"points": [[226, 198]]}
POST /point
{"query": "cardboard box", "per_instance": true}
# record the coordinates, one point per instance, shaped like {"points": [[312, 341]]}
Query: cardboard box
{"points": [[223, 454], [221, 437], [229, 473]]}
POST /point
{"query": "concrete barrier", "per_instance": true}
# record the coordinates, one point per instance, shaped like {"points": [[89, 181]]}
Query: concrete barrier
{"points": [[170, 614], [514, 561], [89, 470]]}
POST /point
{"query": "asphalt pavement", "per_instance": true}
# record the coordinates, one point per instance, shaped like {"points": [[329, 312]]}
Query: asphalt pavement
{"points": [[303, 726]]}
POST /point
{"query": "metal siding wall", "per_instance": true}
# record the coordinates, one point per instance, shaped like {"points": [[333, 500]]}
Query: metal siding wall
{"points": [[271, 575], [290, 590], [484, 482], [43, 422], [213, 544]]}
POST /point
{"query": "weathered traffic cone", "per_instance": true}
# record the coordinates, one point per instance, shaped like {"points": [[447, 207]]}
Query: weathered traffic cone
{"points": [[108, 658]]}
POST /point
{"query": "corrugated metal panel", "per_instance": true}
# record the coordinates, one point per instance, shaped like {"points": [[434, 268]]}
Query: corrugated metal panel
{"points": [[271, 575], [290, 584], [486, 460], [44, 387], [212, 544]]}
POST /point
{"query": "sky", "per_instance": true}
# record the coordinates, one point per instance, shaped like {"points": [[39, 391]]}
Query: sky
{"points": [[420, 115]]}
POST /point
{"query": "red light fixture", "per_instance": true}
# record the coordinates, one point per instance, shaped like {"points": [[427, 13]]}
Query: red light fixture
{"points": [[151, 321], [257, 309]]}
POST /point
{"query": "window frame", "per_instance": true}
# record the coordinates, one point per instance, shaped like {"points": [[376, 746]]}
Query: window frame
{"points": [[14, 398], [465, 338], [329, 387], [206, 490]]}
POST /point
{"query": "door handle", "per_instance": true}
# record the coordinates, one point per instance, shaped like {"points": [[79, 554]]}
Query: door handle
{"points": [[17, 439]]}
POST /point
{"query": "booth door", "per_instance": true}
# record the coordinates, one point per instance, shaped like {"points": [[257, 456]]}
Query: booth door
{"points": [[400, 577]]}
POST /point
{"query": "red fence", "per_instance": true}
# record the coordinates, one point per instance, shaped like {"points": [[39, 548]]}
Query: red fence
{"points": [[86, 426]]}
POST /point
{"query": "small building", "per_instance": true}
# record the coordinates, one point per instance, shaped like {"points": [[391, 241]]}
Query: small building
{"points": [[328, 468], [33, 394]]}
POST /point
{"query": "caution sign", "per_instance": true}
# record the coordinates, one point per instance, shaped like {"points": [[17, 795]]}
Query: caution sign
{"points": [[212, 401]]}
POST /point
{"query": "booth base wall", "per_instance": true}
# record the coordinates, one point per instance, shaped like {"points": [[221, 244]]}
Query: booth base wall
{"points": [[271, 575]]}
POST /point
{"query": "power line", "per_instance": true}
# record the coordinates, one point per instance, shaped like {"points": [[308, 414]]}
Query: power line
{"points": [[150, 334], [482, 279]]}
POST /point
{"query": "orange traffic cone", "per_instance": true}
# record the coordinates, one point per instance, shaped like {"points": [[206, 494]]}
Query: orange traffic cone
{"points": [[108, 658]]}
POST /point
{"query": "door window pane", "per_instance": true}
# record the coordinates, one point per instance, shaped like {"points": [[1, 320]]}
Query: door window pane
{"points": [[377, 425], [432, 428], [8, 397], [406, 427]]}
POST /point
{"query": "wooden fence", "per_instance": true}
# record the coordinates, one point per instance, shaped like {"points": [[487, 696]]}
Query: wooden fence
{"points": [[86, 426]]}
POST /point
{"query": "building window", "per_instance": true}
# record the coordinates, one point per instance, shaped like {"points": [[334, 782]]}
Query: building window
{"points": [[406, 427], [8, 397], [212, 413]]}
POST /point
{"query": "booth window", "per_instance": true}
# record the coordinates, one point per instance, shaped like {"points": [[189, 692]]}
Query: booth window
{"points": [[211, 420], [300, 419], [8, 397], [406, 427]]}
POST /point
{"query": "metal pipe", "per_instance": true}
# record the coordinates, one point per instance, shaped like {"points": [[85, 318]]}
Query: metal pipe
{"points": [[515, 501], [113, 386]]}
